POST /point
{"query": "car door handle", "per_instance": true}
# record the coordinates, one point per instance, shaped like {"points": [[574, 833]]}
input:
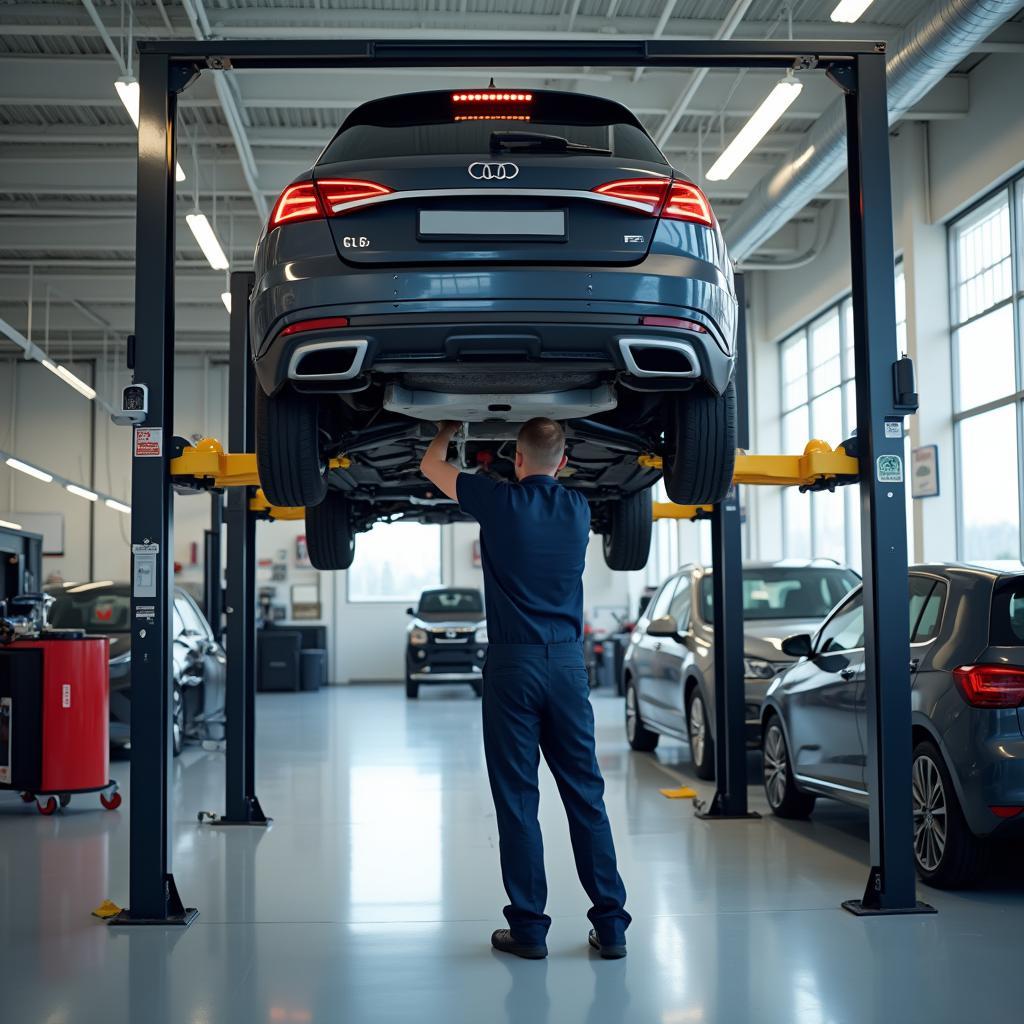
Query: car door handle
{"points": [[847, 674], [657, 645], [914, 662]]}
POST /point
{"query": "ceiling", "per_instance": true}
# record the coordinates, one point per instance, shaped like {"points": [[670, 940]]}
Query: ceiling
{"points": [[67, 146]]}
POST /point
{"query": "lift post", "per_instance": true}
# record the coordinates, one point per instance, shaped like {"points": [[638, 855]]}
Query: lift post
{"points": [[213, 589], [166, 66]]}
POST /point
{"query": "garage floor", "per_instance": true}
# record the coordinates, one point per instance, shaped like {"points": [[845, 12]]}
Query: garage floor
{"points": [[372, 897]]}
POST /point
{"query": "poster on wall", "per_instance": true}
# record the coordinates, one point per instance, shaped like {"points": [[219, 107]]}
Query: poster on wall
{"points": [[302, 553], [924, 471]]}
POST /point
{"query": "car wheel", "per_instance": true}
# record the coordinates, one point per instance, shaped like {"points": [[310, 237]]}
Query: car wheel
{"points": [[785, 800], [700, 446], [412, 689], [178, 721], [478, 689], [627, 541], [946, 852], [639, 736], [330, 537], [292, 471], [702, 746]]}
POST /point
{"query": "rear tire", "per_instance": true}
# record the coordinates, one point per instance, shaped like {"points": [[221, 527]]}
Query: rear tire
{"points": [[640, 737], [947, 853], [330, 537], [627, 542], [700, 446], [702, 746], [292, 473], [412, 689], [785, 800]]}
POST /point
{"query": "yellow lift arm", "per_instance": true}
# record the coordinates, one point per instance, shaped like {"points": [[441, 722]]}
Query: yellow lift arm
{"points": [[207, 461]]}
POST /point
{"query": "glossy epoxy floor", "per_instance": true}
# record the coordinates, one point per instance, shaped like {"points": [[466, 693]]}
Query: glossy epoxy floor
{"points": [[372, 897]]}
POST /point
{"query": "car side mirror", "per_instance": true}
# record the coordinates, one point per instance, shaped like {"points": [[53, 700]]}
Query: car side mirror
{"points": [[798, 646], [665, 626], [410, 611]]}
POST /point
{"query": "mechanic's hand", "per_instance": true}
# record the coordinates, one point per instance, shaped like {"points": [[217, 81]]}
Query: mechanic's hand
{"points": [[448, 427]]}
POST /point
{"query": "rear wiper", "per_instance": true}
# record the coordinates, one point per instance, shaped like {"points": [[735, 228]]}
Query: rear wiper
{"points": [[512, 141]]}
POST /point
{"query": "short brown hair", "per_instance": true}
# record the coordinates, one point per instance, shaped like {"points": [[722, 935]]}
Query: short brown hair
{"points": [[542, 442]]}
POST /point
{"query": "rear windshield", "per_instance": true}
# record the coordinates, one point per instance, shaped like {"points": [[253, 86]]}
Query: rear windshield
{"points": [[451, 601], [98, 610], [424, 124], [1007, 627], [780, 593]]}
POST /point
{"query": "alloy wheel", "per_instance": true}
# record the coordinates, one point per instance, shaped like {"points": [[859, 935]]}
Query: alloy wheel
{"points": [[630, 713], [775, 765], [698, 729], [929, 802]]}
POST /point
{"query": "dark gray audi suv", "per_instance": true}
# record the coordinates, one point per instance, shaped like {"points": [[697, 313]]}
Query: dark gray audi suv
{"points": [[489, 256], [967, 700]]}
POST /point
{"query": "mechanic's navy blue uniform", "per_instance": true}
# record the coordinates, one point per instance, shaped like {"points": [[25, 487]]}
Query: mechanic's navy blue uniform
{"points": [[533, 542]]}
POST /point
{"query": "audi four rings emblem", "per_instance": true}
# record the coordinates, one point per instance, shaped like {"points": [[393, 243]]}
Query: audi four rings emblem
{"points": [[492, 172]]}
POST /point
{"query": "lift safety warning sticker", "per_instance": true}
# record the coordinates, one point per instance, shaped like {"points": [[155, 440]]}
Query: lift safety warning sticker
{"points": [[149, 442], [889, 469]]}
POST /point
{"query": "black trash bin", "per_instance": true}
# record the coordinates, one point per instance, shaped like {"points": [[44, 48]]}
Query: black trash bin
{"points": [[314, 668]]}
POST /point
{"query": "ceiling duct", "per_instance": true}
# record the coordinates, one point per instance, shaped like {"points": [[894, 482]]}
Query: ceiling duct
{"points": [[928, 49]]}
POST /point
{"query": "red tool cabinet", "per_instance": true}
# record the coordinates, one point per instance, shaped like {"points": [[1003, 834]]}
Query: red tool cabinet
{"points": [[54, 720]]}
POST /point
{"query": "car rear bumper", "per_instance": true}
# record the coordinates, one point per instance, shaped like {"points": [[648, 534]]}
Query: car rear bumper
{"points": [[494, 318], [992, 777]]}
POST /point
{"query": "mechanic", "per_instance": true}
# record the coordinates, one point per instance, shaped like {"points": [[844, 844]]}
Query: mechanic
{"points": [[533, 542]]}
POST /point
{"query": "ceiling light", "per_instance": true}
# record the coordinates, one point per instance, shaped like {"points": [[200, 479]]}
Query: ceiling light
{"points": [[774, 106], [128, 89], [81, 492], [69, 378], [24, 467], [225, 297], [118, 506], [97, 585], [207, 240], [850, 10], [9, 526]]}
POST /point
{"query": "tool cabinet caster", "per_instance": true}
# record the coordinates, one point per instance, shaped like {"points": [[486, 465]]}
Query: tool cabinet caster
{"points": [[49, 806], [111, 802]]}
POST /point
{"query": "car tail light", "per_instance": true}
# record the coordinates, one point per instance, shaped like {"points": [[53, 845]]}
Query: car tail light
{"points": [[673, 321], [990, 686], [315, 325], [311, 200], [1004, 811], [675, 200], [296, 202], [492, 96]]}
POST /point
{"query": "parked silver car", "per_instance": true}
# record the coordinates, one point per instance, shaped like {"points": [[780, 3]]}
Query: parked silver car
{"points": [[669, 667], [967, 696]]}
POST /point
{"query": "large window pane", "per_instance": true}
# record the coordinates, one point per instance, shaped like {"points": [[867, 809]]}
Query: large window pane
{"points": [[986, 368], [827, 417], [901, 309], [982, 250], [825, 353], [829, 527], [988, 485], [395, 562], [794, 371], [847, 315], [796, 534]]}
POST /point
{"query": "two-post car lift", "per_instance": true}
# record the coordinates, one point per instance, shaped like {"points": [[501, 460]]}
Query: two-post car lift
{"points": [[167, 68]]}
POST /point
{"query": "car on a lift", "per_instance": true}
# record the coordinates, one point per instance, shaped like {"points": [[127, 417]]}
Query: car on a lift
{"points": [[669, 668], [967, 700], [446, 639], [488, 256], [103, 607]]}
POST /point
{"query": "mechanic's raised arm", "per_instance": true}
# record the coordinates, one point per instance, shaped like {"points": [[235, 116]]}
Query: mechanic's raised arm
{"points": [[434, 464]]}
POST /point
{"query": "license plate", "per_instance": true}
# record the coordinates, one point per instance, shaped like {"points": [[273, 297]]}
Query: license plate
{"points": [[546, 224]]}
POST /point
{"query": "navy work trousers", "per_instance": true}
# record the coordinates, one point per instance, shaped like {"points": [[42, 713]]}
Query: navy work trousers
{"points": [[536, 699]]}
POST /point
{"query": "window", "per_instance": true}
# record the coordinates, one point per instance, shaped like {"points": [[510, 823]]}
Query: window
{"points": [[395, 562], [927, 596], [845, 630], [659, 606], [819, 401], [777, 592], [679, 609], [985, 276], [1007, 626]]}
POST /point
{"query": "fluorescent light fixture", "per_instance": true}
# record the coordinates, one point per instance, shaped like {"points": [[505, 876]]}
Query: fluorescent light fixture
{"points": [[774, 106], [98, 584], [24, 467], [850, 10], [81, 492], [69, 378], [207, 240], [128, 89], [225, 297], [9, 526], [118, 506]]}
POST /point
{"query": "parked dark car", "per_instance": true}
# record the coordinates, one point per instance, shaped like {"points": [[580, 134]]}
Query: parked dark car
{"points": [[488, 256], [669, 668], [446, 641], [104, 607], [967, 696]]}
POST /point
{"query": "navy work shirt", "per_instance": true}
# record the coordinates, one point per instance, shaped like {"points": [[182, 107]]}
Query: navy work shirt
{"points": [[533, 543]]}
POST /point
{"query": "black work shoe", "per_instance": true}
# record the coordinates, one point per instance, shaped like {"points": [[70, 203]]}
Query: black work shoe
{"points": [[607, 952], [502, 940]]}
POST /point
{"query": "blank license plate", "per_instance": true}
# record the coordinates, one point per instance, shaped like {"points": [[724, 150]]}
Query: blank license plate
{"points": [[549, 224]]}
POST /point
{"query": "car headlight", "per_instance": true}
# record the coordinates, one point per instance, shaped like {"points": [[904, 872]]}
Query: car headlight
{"points": [[418, 637], [480, 636], [757, 668]]}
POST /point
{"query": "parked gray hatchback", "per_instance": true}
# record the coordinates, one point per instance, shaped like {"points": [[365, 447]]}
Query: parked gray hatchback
{"points": [[669, 666], [967, 695]]}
